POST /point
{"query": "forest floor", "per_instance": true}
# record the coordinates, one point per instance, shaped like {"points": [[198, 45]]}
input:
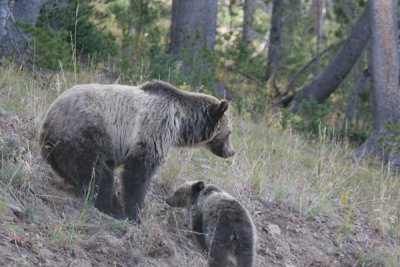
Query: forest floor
{"points": [[304, 216]]}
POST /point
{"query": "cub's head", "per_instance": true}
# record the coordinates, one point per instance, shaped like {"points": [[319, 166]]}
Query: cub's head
{"points": [[220, 144], [185, 194]]}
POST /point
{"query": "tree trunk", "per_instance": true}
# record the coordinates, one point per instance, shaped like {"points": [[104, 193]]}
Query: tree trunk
{"points": [[274, 48], [385, 69], [317, 11], [329, 80], [193, 32], [248, 12], [3, 18], [12, 38]]}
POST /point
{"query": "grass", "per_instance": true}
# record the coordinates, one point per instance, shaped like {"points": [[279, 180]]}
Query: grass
{"points": [[67, 232], [316, 177]]}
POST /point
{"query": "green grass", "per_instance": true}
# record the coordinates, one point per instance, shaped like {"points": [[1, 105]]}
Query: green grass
{"points": [[3, 205], [70, 233]]}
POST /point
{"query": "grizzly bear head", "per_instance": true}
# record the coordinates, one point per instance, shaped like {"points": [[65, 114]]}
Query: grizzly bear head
{"points": [[221, 144]]}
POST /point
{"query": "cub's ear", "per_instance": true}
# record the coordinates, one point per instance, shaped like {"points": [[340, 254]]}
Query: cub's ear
{"points": [[217, 110], [198, 186]]}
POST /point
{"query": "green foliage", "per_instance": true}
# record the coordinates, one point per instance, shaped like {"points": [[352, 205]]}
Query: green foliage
{"points": [[309, 119], [77, 18], [297, 40], [199, 70], [391, 138], [49, 47], [143, 55], [67, 31]]}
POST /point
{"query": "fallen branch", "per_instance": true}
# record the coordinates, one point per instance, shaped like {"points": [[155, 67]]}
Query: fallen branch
{"points": [[304, 68], [246, 75]]}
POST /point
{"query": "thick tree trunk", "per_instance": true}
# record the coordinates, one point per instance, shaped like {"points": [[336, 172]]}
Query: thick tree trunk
{"points": [[193, 32], [274, 48], [248, 12], [329, 80], [385, 69], [12, 38]]}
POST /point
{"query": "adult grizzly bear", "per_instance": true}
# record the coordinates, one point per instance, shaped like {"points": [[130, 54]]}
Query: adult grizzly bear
{"points": [[222, 225], [90, 129]]}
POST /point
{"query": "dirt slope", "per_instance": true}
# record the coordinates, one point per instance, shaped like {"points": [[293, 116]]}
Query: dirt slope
{"points": [[44, 223]]}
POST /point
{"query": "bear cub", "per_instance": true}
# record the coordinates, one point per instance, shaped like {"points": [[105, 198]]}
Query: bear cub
{"points": [[222, 225]]}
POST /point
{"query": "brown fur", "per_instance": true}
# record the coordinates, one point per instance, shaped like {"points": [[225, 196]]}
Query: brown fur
{"points": [[92, 128], [222, 225]]}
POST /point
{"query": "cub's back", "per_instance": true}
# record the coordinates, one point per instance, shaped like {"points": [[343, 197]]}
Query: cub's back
{"points": [[223, 204]]}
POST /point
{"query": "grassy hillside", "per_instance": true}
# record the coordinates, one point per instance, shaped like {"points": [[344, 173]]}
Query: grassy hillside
{"points": [[313, 203]]}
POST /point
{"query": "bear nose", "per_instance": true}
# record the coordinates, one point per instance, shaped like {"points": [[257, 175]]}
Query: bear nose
{"points": [[168, 201], [229, 152]]}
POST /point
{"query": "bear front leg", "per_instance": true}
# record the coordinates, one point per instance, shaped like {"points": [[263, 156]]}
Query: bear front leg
{"points": [[197, 227], [135, 182], [104, 181]]}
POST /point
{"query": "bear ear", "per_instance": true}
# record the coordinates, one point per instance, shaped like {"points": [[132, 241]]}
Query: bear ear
{"points": [[198, 186], [223, 106], [217, 110]]}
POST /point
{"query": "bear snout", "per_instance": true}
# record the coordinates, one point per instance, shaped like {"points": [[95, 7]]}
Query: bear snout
{"points": [[228, 150], [229, 153]]}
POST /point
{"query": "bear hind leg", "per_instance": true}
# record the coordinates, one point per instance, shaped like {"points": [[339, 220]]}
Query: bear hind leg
{"points": [[244, 247], [218, 255], [63, 161], [78, 163], [245, 258]]}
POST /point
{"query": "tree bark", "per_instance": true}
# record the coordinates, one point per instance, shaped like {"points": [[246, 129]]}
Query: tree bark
{"points": [[292, 81], [12, 38], [385, 69], [322, 86], [274, 48], [248, 12], [193, 33], [3, 18], [317, 7]]}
